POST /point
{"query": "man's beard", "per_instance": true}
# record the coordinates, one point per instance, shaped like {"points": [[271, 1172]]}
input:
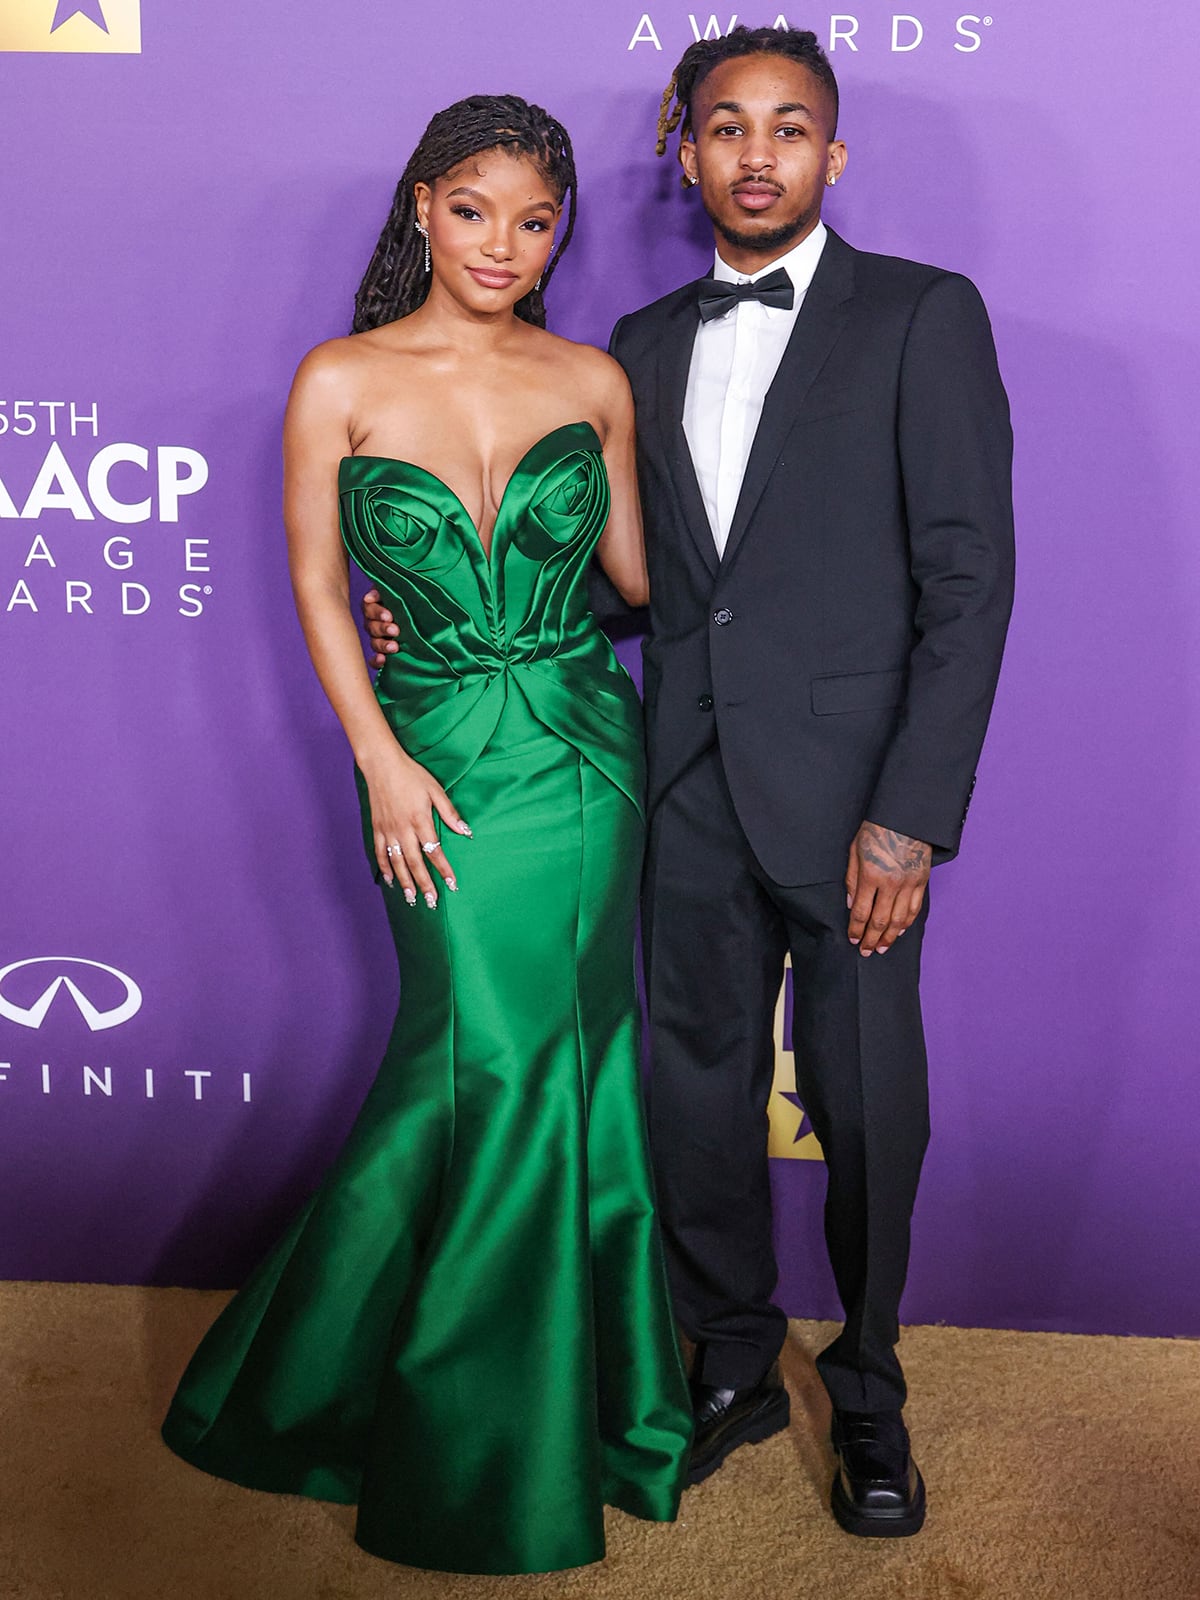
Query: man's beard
{"points": [[767, 243]]}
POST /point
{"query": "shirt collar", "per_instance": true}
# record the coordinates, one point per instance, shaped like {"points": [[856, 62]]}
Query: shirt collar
{"points": [[800, 263]]}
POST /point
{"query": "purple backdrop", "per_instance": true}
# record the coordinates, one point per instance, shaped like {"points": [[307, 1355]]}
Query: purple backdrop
{"points": [[181, 224]]}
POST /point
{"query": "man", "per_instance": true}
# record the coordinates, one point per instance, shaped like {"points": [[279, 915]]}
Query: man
{"points": [[824, 458]]}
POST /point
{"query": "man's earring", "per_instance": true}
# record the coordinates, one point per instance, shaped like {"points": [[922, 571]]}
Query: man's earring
{"points": [[692, 182], [830, 180], [424, 232]]}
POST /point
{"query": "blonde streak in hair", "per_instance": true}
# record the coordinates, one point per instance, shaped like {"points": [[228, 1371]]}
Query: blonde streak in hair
{"points": [[665, 124]]}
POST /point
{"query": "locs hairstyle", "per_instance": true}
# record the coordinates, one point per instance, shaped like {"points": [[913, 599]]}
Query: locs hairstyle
{"points": [[700, 59], [396, 281]]}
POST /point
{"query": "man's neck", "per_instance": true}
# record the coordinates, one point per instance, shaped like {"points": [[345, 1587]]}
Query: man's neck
{"points": [[749, 263]]}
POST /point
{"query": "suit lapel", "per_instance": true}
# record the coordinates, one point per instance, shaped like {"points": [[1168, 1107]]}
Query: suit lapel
{"points": [[818, 328], [674, 362]]}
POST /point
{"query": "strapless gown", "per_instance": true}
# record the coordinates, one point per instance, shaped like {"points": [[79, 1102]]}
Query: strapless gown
{"points": [[466, 1331]]}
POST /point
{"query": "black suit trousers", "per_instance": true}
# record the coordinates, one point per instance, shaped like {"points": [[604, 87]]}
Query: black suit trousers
{"points": [[716, 932]]}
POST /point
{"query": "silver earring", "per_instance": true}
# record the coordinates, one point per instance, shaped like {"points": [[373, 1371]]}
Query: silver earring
{"points": [[692, 182], [831, 180], [424, 232]]}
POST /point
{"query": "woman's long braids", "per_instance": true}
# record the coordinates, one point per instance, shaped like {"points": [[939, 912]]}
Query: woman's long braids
{"points": [[396, 281], [700, 58]]}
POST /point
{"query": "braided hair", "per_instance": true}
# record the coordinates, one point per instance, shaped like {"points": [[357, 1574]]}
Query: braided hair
{"points": [[699, 59], [396, 281]]}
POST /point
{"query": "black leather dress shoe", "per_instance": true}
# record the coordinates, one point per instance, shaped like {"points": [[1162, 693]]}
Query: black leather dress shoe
{"points": [[726, 1418], [878, 1492]]}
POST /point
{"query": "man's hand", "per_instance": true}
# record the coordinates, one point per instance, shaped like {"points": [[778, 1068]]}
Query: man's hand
{"points": [[885, 885], [381, 627]]}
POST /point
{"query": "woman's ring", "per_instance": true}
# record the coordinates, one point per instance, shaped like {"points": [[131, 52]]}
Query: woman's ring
{"points": [[394, 850], [434, 844]]}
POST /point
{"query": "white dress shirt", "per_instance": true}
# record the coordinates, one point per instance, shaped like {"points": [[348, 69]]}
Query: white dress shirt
{"points": [[734, 360]]}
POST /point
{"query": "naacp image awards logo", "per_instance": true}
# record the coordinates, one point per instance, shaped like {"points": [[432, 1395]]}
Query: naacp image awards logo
{"points": [[56, 473], [866, 29]]}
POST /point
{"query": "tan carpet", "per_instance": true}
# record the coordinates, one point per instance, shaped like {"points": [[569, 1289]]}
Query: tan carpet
{"points": [[1060, 1467]]}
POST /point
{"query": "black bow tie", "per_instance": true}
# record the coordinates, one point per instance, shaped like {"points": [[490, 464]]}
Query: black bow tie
{"points": [[717, 297]]}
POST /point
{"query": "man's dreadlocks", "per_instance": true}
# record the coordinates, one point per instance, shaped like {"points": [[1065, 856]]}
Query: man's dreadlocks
{"points": [[700, 59]]}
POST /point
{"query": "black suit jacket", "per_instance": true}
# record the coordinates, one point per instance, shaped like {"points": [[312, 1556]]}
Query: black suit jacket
{"points": [[845, 649]]}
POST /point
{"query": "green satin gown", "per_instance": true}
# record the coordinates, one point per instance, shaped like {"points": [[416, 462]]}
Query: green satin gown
{"points": [[466, 1331]]}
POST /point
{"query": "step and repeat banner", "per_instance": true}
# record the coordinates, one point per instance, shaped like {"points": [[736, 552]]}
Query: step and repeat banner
{"points": [[196, 980]]}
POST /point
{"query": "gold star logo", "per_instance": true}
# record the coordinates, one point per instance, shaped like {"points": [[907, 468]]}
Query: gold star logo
{"points": [[790, 1134], [72, 27]]}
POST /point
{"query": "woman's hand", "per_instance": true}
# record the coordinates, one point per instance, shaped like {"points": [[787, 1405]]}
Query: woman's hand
{"points": [[405, 799]]}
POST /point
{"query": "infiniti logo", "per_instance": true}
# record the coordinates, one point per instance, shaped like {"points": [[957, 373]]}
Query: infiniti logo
{"points": [[33, 1016]]}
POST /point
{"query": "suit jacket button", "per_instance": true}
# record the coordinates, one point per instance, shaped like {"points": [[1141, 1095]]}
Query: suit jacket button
{"points": [[723, 616], [705, 702]]}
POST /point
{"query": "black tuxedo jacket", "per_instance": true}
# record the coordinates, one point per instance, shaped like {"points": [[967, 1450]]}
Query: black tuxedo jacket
{"points": [[844, 651]]}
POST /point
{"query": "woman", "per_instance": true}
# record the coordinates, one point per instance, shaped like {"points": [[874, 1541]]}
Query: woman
{"points": [[467, 1330]]}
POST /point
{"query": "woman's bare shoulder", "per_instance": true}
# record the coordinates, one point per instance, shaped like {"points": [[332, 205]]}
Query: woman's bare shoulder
{"points": [[589, 368], [345, 357]]}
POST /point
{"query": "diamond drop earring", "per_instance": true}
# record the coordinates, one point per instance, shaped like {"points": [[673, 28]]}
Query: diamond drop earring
{"points": [[424, 232]]}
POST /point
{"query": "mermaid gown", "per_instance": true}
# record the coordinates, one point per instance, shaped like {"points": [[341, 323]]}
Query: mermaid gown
{"points": [[466, 1331]]}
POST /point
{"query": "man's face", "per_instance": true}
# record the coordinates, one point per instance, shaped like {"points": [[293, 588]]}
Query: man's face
{"points": [[761, 147]]}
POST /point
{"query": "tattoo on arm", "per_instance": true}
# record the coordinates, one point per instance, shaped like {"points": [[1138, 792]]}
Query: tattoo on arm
{"points": [[892, 852]]}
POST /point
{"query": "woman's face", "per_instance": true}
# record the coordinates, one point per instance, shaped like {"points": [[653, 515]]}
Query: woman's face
{"points": [[491, 224]]}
